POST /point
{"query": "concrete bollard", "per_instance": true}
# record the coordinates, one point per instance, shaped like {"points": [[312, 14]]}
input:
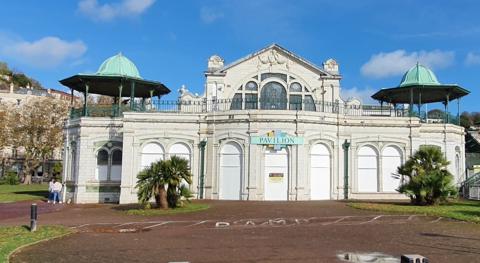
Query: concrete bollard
{"points": [[33, 217]]}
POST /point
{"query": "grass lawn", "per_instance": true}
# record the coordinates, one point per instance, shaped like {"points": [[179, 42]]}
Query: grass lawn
{"points": [[14, 237], [191, 207], [461, 210], [15, 193]]}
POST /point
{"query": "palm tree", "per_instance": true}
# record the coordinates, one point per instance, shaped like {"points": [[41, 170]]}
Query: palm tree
{"points": [[178, 172], [151, 183], [427, 179]]}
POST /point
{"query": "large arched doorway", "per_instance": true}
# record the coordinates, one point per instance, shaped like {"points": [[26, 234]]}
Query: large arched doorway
{"points": [[319, 172], [151, 152], [273, 96], [367, 173], [276, 175], [391, 160], [230, 183]]}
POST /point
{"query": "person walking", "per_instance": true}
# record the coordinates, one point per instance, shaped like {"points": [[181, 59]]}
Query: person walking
{"points": [[50, 190], [57, 188]]}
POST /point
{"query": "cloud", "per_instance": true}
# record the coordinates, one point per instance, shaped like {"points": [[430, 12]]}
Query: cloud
{"points": [[47, 52], [361, 94], [395, 63], [108, 12], [472, 59], [209, 15]]}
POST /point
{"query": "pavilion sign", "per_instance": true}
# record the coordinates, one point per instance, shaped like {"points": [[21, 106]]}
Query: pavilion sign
{"points": [[276, 139]]}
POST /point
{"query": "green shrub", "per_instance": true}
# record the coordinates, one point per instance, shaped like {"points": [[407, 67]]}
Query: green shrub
{"points": [[10, 178], [428, 180], [57, 169]]}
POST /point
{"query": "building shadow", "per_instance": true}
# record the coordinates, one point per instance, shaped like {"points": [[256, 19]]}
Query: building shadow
{"points": [[34, 193]]}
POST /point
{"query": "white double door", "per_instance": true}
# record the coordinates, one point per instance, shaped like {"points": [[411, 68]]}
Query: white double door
{"points": [[276, 175]]}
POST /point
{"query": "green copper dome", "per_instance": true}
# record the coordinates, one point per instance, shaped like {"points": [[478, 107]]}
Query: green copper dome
{"points": [[118, 65], [419, 75]]}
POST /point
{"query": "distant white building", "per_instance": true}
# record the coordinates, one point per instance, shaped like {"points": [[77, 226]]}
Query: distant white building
{"points": [[269, 126]]}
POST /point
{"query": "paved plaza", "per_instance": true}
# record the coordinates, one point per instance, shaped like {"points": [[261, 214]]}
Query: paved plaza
{"points": [[248, 232]]}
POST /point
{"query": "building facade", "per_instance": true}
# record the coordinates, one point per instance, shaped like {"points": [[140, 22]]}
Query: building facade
{"points": [[270, 126]]}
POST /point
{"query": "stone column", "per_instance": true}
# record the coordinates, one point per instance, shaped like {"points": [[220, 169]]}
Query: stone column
{"points": [[301, 172], [210, 171], [129, 168], [195, 164], [253, 170], [85, 171]]}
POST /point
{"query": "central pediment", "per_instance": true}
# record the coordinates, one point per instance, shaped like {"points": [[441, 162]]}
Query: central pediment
{"points": [[275, 55]]}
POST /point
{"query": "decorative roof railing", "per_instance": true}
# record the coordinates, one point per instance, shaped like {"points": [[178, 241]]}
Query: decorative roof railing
{"points": [[180, 107]]}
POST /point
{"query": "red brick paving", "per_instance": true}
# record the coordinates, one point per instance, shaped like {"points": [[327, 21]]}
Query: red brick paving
{"points": [[318, 241], [22, 209]]}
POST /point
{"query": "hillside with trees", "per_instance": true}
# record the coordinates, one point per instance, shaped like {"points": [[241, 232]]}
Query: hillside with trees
{"points": [[469, 119], [18, 79]]}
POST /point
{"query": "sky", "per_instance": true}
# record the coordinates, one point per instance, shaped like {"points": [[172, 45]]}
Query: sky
{"points": [[374, 42]]}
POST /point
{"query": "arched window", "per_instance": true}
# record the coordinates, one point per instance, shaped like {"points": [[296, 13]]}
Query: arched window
{"points": [[251, 85], [295, 87], [273, 97], [151, 152], [295, 102], [391, 160], [180, 150], [109, 165], [116, 168], [367, 173], [309, 103], [236, 102], [102, 165]]}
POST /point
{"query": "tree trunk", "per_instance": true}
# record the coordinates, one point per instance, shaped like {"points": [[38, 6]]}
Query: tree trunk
{"points": [[27, 174], [163, 197], [28, 178]]}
